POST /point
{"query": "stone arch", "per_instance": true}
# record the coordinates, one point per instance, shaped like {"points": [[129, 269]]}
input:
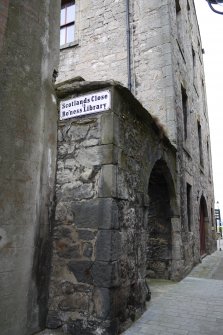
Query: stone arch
{"points": [[203, 225], [159, 242]]}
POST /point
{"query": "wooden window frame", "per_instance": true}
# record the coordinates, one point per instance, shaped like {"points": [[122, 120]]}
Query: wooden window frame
{"points": [[65, 4]]}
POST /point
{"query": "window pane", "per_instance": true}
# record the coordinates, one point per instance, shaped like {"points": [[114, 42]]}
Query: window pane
{"points": [[70, 13], [62, 16], [70, 34], [62, 36]]}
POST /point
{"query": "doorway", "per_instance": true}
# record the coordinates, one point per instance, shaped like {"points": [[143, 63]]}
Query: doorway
{"points": [[159, 242], [202, 225]]}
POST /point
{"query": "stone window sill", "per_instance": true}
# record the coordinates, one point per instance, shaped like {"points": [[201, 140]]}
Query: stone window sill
{"points": [[201, 169], [187, 150], [69, 45]]}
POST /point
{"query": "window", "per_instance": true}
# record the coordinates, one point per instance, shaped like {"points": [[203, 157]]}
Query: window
{"points": [[184, 107], [193, 57], [177, 4], [194, 67], [209, 161], [203, 95], [189, 206], [67, 22], [200, 144], [188, 5]]}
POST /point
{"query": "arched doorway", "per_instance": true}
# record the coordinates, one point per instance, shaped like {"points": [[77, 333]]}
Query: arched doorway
{"points": [[202, 225], [159, 247]]}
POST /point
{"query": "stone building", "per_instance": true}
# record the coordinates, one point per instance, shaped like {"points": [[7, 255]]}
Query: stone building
{"points": [[153, 49], [115, 199], [28, 131], [133, 196]]}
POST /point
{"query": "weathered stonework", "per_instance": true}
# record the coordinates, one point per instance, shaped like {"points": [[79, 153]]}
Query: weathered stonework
{"points": [[100, 51], [29, 45], [167, 77], [101, 235], [133, 193]]}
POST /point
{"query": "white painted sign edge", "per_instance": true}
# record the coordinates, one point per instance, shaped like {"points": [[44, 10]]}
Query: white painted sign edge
{"points": [[94, 102]]}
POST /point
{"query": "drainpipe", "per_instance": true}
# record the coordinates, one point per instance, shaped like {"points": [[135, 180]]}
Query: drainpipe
{"points": [[128, 33]]}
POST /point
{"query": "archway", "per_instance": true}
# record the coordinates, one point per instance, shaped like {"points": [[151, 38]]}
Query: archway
{"points": [[202, 225], [159, 247]]}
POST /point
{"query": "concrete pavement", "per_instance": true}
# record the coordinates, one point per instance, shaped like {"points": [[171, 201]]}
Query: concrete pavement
{"points": [[193, 306]]}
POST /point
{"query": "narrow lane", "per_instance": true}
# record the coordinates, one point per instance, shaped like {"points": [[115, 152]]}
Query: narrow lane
{"points": [[193, 306]]}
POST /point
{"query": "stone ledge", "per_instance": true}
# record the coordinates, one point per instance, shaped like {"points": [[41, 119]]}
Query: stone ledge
{"points": [[78, 85]]}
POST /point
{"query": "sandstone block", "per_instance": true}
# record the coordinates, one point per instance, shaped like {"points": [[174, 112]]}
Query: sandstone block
{"points": [[102, 302], [96, 213], [108, 245], [106, 274], [82, 271], [107, 182]]}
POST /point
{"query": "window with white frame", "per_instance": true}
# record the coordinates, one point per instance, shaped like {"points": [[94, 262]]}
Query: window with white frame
{"points": [[67, 22]]}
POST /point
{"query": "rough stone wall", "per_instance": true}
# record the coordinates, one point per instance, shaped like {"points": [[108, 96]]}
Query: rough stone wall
{"points": [[152, 69], [3, 19], [189, 74], [162, 62], [100, 50], [166, 57], [29, 54], [101, 227]]}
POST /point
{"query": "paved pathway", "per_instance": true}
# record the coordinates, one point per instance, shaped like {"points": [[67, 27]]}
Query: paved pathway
{"points": [[193, 306]]}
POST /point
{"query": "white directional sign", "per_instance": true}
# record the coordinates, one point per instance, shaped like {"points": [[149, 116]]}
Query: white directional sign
{"points": [[85, 104]]}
